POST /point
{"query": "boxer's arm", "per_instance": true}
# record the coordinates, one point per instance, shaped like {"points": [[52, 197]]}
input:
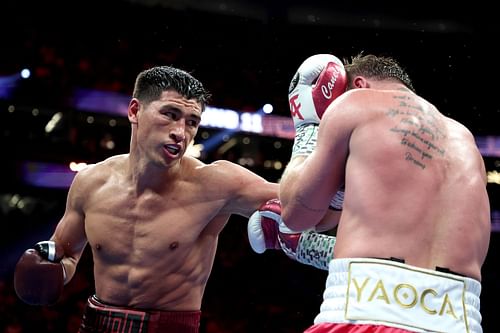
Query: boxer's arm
{"points": [[329, 222], [42, 271], [266, 230], [319, 81], [307, 188], [251, 195], [70, 231], [70, 234], [246, 190]]}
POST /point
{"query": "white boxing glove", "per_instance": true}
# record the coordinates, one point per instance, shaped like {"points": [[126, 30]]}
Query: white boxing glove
{"points": [[262, 226], [266, 230], [319, 80]]}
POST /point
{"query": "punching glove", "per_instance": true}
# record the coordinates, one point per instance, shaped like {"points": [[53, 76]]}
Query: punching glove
{"points": [[39, 276], [319, 80], [262, 227], [266, 230]]}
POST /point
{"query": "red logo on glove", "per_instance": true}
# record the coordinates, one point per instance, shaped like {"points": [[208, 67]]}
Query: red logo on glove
{"points": [[295, 108]]}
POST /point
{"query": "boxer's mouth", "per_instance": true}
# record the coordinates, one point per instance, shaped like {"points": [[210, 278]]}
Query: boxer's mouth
{"points": [[173, 149]]}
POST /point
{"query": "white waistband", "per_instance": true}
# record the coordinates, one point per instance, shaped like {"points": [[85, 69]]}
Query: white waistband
{"points": [[384, 292]]}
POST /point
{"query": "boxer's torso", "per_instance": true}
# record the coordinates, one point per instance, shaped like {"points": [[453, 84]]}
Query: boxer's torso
{"points": [[415, 185], [154, 249]]}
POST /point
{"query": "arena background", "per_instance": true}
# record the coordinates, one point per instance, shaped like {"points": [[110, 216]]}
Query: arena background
{"points": [[83, 57]]}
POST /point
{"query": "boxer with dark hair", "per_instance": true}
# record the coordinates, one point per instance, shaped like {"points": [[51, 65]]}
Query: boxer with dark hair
{"points": [[415, 224], [151, 217]]}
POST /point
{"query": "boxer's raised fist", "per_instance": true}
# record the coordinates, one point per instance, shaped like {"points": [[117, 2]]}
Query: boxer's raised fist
{"points": [[319, 80]]}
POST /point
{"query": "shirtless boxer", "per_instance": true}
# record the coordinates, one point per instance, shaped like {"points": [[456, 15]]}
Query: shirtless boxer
{"points": [[415, 224], [151, 217]]}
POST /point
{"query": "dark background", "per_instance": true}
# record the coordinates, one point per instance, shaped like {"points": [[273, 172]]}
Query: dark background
{"points": [[245, 52]]}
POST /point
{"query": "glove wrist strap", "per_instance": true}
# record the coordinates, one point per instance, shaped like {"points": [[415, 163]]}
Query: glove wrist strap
{"points": [[313, 249], [306, 136], [47, 250]]}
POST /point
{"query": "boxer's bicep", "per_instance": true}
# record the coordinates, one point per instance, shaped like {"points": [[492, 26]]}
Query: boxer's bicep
{"points": [[249, 191]]}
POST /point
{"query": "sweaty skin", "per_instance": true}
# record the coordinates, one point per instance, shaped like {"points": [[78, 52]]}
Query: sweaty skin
{"points": [[415, 182], [152, 217]]}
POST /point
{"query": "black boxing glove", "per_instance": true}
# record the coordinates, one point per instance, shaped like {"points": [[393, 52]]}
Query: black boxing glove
{"points": [[38, 280]]}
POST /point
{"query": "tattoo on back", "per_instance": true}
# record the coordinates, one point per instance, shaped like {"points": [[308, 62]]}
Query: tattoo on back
{"points": [[418, 129]]}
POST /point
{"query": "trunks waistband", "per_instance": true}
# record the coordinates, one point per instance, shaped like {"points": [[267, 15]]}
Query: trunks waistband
{"points": [[101, 317], [384, 292]]}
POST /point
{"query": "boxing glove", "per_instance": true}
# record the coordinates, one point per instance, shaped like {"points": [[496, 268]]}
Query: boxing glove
{"points": [[262, 226], [319, 80], [266, 230], [39, 276]]}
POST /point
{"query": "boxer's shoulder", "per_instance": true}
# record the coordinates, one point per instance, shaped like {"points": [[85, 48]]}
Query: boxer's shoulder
{"points": [[97, 175], [226, 169], [229, 177]]}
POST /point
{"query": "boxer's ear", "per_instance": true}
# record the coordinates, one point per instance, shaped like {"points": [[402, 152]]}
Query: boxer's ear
{"points": [[360, 82], [133, 110]]}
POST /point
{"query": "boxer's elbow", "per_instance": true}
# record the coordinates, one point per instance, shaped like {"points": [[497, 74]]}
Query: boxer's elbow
{"points": [[69, 265], [299, 219], [290, 210]]}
